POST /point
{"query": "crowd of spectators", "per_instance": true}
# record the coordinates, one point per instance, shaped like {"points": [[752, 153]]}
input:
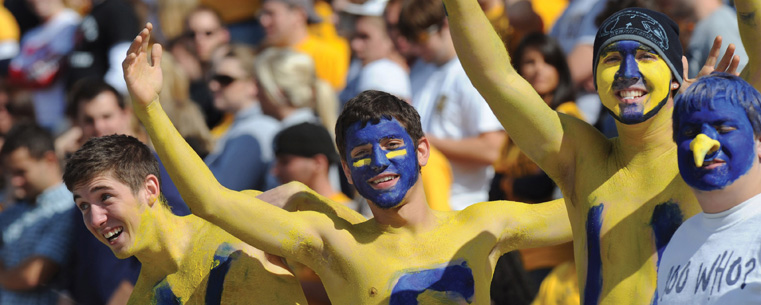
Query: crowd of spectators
{"points": [[255, 88]]}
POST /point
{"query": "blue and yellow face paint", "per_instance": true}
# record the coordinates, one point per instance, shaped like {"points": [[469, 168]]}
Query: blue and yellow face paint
{"points": [[382, 161], [633, 81], [715, 147]]}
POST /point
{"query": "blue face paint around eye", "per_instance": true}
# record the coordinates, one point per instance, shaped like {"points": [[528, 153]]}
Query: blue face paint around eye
{"points": [[382, 161], [729, 125]]}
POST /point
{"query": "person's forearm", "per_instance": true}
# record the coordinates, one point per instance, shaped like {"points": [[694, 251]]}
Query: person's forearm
{"points": [[30, 274], [481, 150], [749, 22]]}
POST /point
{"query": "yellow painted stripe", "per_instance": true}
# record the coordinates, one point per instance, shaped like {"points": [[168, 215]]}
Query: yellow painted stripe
{"points": [[396, 153], [362, 162]]}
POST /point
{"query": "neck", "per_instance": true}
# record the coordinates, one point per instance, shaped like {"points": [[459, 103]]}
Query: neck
{"points": [[648, 139], [165, 240], [446, 56], [739, 191], [414, 215], [705, 8], [299, 35], [320, 183]]}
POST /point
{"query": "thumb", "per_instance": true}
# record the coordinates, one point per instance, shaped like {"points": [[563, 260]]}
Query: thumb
{"points": [[156, 53]]}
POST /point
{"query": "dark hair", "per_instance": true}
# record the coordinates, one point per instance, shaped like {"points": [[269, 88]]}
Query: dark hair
{"points": [[125, 157], [418, 16], [372, 106], [30, 136], [733, 89], [204, 8], [553, 55], [87, 89]]}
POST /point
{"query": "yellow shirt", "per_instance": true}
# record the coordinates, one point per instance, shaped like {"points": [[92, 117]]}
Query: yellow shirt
{"points": [[549, 11], [9, 29], [437, 180], [331, 58]]}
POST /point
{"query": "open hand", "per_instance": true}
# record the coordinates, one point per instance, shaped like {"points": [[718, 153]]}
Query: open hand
{"points": [[729, 63], [144, 78]]}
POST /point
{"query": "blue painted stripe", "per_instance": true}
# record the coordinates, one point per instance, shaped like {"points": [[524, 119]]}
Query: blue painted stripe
{"points": [[223, 259], [593, 286]]}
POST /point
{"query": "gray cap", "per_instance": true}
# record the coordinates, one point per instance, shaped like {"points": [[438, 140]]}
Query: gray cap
{"points": [[307, 5]]}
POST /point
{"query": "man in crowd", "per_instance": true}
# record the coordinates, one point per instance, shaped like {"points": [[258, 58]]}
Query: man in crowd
{"points": [[622, 189], [115, 182], [717, 130], [36, 231]]}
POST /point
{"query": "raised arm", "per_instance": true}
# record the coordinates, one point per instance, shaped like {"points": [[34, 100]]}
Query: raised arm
{"points": [[256, 222], [749, 21], [520, 225], [526, 117]]}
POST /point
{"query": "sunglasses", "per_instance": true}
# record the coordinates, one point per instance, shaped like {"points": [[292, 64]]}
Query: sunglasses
{"points": [[193, 34], [223, 80]]}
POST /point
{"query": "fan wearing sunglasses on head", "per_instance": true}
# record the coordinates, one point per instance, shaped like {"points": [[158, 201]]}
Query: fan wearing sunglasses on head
{"points": [[241, 158]]}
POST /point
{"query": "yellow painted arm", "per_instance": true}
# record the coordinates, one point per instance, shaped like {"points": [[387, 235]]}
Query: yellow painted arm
{"points": [[533, 225], [749, 21], [536, 129], [253, 221], [295, 196]]}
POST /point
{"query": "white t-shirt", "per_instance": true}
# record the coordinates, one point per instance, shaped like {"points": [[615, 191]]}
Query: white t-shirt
{"points": [[451, 108], [383, 75], [714, 259]]}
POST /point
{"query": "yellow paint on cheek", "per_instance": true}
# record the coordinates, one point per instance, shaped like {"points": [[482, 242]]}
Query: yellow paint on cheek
{"points": [[396, 153], [701, 146], [606, 73], [658, 79], [361, 162]]}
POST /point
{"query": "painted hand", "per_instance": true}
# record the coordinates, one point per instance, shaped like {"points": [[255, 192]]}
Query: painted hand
{"points": [[144, 78], [728, 63]]}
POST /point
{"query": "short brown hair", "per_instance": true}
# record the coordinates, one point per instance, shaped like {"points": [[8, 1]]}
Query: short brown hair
{"points": [[125, 157], [418, 16]]}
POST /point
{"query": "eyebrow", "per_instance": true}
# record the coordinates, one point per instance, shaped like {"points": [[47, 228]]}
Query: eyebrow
{"points": [[93, 190]]}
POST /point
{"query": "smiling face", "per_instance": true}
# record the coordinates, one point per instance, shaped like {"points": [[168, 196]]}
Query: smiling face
{"points": [[539, 73], [381, 161], [633, 81], [112, 213], [727, 124]]}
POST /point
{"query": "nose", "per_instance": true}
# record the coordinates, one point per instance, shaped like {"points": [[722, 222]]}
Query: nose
{"points": [[97, 216], [705, 147], [628, 73], [379, 162]]}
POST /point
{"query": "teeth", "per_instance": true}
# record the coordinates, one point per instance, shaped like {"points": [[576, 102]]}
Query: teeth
{"points": [[631, 94], [111, 233], [384, 179]]}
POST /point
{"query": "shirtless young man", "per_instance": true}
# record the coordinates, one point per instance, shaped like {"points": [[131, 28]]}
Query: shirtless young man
{"points": [[185, 260], [624, 195], [406, 254]]}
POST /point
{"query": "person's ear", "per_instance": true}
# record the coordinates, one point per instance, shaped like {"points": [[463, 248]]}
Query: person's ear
{"points": [[321, 162], [51, 157], [347, 172], [152, 189], [758, 147], [423, 151]]}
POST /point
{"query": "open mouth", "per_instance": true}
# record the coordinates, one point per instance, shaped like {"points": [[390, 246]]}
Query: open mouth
{"points": [[632, 95], [712, 164], [113, 234], [384, 181]]}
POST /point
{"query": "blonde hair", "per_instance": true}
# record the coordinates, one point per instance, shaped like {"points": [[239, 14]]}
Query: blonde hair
{"points": [[288, 78], [182, 111]]}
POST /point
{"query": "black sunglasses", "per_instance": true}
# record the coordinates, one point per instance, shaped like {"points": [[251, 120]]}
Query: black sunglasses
{"points": [[223, 80]]}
